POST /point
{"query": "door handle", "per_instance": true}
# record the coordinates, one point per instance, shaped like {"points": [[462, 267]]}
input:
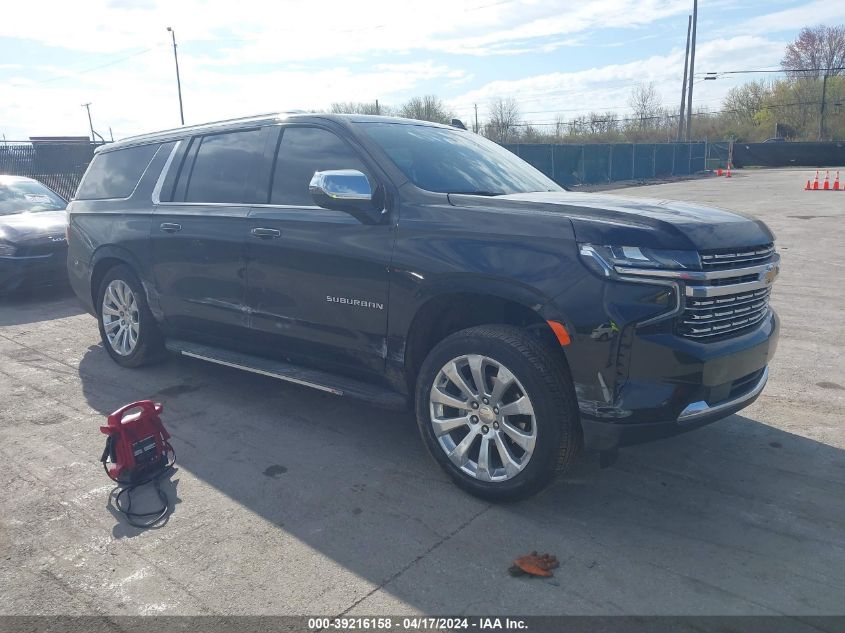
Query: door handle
{"points": [[266, 233], [170, 227]]}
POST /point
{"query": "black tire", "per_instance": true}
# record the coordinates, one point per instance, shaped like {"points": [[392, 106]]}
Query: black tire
{"points": [[150, 345], [545, 378]]}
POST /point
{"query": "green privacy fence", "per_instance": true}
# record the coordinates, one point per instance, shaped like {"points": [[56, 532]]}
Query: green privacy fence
{"points": [[597, 163]]}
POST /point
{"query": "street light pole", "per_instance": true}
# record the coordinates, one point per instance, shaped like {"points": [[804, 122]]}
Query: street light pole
{"points": [[684, 83], [178, 81], [691, 70], [87, 107]]}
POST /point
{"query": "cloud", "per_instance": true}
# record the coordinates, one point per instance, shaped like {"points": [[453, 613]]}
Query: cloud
{"points": [[255, 31], [608, 87], [250, 56], [808, 14], [147, 99]]}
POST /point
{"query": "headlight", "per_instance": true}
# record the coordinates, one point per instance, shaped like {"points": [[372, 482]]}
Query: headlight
{"points": [[607, 261], [6, 249]]}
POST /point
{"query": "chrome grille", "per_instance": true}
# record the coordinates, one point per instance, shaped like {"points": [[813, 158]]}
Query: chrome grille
{"points": [[709, 317], [736, 258]]}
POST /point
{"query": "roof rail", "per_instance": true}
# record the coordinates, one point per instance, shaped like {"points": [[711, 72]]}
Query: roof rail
{"points": [[188, 128]]}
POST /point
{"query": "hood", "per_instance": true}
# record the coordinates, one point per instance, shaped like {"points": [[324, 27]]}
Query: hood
{"points": [[609, 219], [22, 227]]}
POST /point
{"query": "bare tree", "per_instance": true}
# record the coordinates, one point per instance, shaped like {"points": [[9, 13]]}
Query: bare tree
{"points": [[426, 108], [645, 102], [603, 123], [504, 119], [561, 126], [358, 107], [814, 50]]}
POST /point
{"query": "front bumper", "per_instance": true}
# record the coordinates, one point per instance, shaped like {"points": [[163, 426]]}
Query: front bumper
{"points": [[675, 385], [22, 272]]}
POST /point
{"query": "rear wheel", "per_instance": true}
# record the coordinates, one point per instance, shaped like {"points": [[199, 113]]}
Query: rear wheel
{"points": [[129, 332], [496, 409]]}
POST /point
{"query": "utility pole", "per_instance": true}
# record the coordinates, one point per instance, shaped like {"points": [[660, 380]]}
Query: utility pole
{"points": [[87, 107], [178, 81], [377, 108], [691, 69], [475, 105], [684, 83], [821, 109]]}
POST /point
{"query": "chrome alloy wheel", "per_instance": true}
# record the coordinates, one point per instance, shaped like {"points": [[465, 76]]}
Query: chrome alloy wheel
{"points": [[483, 418], [120, 317]]}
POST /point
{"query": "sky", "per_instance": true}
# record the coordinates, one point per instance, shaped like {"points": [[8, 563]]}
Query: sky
{"points": [[246, 57]]}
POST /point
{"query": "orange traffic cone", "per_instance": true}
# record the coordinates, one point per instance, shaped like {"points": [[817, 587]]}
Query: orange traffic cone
{"points": [[826, 180], [808, 187], [836, 182], [728, 173], [816, 181], [719, 171]]}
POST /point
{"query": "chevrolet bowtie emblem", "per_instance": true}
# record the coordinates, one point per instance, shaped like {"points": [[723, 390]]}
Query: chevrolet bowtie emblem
{"points": [[770, 275]]}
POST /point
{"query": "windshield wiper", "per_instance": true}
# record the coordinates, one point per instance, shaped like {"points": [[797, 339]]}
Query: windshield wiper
{"points": [[477, 193]]}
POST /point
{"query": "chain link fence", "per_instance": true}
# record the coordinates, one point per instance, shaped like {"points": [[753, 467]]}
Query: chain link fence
{"points": [[599, 163], [58, 165]]}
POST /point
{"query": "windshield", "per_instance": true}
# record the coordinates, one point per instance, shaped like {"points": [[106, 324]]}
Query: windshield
{"points": [[454, 161], [20, 196]]}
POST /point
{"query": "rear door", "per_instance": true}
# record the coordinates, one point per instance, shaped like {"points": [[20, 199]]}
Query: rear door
{"points": [[199, 231], [318, 279]]}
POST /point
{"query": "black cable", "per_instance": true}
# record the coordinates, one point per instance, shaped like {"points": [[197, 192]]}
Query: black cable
{"points": [[127, 488]]}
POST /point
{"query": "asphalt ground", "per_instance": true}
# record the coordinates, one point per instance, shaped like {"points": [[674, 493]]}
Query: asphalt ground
{"points": [[291, 501]]}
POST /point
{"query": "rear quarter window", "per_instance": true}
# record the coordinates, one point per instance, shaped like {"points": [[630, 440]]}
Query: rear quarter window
{"points": [[115, 174]]}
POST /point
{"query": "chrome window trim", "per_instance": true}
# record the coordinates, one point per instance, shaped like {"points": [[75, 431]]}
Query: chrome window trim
{"points": [[235, 204], [700, 409], [160, 182], [156, 197]]}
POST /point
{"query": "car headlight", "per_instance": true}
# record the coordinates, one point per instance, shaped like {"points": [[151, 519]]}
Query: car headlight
{"points": [[609, 261], [7, 249]]}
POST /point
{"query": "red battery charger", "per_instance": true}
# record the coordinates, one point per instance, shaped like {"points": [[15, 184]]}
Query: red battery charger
{"points": [[137, 452]]}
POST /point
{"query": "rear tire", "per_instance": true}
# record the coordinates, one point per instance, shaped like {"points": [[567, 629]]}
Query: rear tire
{"points": [[128, 329], [497, 442]]}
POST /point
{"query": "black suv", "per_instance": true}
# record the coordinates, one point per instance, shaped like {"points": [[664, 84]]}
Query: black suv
{"points": [[405, 262]]}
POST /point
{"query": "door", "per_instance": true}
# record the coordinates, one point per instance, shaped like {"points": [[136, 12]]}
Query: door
{"points": [[318, 279], [199, 234]]}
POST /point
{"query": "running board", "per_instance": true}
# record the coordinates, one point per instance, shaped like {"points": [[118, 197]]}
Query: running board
{"points": [[314, 378]]}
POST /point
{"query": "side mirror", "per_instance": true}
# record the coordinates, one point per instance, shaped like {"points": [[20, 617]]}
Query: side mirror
{"points": [[345, 190]]}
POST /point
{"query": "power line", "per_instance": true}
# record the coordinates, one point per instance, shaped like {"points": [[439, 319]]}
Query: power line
{"points": [[89, 70], [666, 116], [773, 70]]}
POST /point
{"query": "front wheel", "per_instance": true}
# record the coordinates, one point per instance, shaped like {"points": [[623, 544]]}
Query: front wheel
{"points": [[127, 327], [496, 409]]}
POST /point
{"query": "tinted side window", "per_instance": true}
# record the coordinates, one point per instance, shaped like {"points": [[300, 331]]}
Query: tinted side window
{"points": [[222, 167], [115, 174], [302, 151]]}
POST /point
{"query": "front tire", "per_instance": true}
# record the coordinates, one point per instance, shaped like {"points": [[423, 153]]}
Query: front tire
{"points": [[128, 329], [496, 409]]}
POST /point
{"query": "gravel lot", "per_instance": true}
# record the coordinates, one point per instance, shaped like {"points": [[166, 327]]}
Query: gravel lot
{"points": [[291, 501]]}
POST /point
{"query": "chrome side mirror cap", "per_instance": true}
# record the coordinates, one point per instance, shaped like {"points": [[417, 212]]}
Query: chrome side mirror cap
{"points": [[340, 184], [348, 190]]}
